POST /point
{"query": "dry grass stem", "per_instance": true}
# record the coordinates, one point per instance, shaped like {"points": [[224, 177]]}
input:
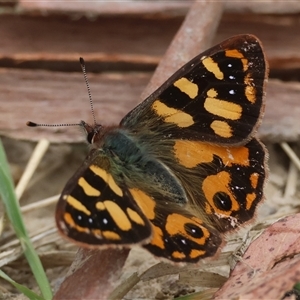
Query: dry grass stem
{"points": [[33, 163], [291, 154], [39, 204]]}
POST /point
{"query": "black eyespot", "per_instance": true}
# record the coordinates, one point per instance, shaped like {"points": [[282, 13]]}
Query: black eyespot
{"points": [[222, 201], [193, 230]]}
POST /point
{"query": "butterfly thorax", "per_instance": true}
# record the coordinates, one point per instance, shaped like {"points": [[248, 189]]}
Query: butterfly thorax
{"points": [[131, 164]]}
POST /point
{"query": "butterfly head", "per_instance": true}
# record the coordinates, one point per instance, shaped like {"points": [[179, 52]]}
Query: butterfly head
{"points": [[92, 132]]}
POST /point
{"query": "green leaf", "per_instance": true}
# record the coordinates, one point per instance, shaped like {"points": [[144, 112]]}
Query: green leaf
{"points": [[27, 292], [14, 214]]}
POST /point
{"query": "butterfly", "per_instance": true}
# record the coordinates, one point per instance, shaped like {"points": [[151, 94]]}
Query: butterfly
{"points": [[182, 168]]}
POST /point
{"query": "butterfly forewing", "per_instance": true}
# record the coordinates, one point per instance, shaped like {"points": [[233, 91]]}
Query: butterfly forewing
{"points": [[217, 97], [93, 209]]}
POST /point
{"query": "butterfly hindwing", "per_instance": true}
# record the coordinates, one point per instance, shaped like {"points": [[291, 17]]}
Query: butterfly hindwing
{"points": [[178, 235], [225, 183], [238, 185]]}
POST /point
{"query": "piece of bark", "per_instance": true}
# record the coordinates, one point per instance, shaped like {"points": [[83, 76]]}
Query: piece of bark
{"points": [[281, 121], [122, 43], [93, 274], [129, 8], [146, 8], [265, 7], [55, 98], [61, 98], [56, 43]]}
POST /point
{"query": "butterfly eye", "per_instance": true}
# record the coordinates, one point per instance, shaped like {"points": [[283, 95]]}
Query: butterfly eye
{"points": [[90, 137], [91, 131]]}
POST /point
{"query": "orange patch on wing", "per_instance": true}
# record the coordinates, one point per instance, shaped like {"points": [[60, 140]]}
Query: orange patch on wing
{"points": [[249, 200], [196, 253], [234, 53], [145, 203], [107, 178], [157, 238], [175, 224], [250, 93], [135, 217], [88, 189], [212, 93], [222, 108], [178, 255], [221, 128], [110, 235], [97, 233], [212, 67], [254, 180], [218, 183], [100, 205], [77, 205], [187, 87], [190, 154], [237, 54], [172, 115], [118, 215], [250, 90]]}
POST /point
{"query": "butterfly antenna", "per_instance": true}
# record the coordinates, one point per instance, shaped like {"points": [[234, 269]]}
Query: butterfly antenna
{"points": [[82, 123], [82, 63], [32, 124]]}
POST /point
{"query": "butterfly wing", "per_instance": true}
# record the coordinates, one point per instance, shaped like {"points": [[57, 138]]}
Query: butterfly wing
{"points": [[178, 235], [226, 183], [217, 97], [94, 210]]}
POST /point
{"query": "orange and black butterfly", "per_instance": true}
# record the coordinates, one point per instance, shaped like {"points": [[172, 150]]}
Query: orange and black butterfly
{"points": [[183, 167]]}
